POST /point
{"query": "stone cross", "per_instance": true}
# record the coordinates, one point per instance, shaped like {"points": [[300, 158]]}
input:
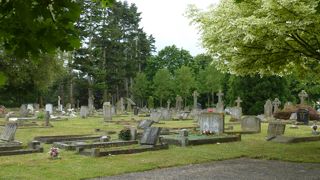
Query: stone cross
{"points": [[302, 95], [195, 95], [178, 102], [168, 104], [59, 101], [220, 94], [276, 103], [238, 101]]}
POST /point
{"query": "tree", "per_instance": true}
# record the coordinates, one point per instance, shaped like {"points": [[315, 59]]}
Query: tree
{"points": [[185, 82], [265, 37], [140, 87], [163, 84]]}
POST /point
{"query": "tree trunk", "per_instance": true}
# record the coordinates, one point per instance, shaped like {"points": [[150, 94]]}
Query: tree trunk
{"points": [[212, 93], [71, 94], [208, 96], [160, 102]]}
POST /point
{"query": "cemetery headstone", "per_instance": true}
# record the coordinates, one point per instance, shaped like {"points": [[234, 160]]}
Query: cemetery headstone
{"points": [[165, 114], [302, 95], [235, 113], [91, 105], [155, 116], [220, 104], [276, 103], [49, 108], [314, 129], [23, 110], [178, 103], [9, 132], [195, 95], [30, 108], [136, 110], [251, 124], [212, 122], [184, 137], [303, 116], [36, 106], [168, 104], [238, 101], [68, 106], [107, 112], [275, 129], [60, 108], [145, 124], [150, 136], [268, 109], [47, 118], [84, 111]]}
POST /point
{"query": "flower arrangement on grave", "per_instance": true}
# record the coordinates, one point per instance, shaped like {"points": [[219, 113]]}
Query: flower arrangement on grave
{"points": [[207, 132], [54, 153], [125, 134]]}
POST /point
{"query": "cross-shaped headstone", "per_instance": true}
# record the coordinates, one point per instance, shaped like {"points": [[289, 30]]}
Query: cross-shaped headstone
{"points": [[276, 103], [238, 101], [195, 95], [302, 95], [178, 102], [220, 94]]}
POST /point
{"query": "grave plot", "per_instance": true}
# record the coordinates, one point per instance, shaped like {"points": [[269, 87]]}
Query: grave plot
{"points": [[60, 138], [211, 131], [249, 125], [148, 142]]}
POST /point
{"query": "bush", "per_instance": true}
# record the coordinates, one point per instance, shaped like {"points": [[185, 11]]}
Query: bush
{"points": [[125, 134]]}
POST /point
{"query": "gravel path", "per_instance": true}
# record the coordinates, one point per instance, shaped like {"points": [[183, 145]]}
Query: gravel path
{"points": [[240, 169]]}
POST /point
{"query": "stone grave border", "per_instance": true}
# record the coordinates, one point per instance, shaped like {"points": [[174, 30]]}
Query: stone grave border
{"points": [[67, 146], [52, 139], [288, 139], [33, 147]]}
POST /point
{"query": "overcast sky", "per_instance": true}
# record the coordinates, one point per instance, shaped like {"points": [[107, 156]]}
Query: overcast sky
{"points": [[165, 20]]}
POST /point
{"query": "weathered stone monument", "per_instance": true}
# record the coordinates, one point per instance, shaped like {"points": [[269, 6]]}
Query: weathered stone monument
{"points": [[276, 103], [302, 95], [251, 124], [236, 112], [155, 116], [9, 132], [268, 109], [91, 105], [107, 112], [49, 107], [47, 119], [23, 110], [84, 112], [168, 104], [195, 95], [150, 136], [60, 107], [220, 104], [275, 129], [178, 103], [145, 124], [30, 108], [212, 122]]}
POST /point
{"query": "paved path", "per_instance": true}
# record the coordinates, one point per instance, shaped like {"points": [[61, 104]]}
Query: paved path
{"points": [[239, 169]]}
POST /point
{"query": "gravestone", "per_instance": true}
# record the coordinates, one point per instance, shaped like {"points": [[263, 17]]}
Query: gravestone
{"points": [[90, 105], [212, 122], [268, 109], [49, 108], [195, 95], [113, 110], [155, 116], [47, 118], [275, 129], [178, 103], [303, 116], [235, 113], [120, 106], [107, 112], [30, 108], [165, 114], [168, 104], [145, 124], [251, 123], [238, 101], [276, 103], [287, 105], [302, 95], [183, 133], [23, 110], [220, 104], [136, 111], [68, 106], [150, 136], [36, 106], [130, 103], [60, 108], [84, 111], [9, 132]]}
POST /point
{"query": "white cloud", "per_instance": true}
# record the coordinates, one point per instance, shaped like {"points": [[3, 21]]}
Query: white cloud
{"points": [[165, 20]]}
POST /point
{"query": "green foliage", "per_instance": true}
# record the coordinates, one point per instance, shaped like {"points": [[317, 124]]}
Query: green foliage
{"points": [[163, 84], [140, 88], [266, 37], [254, 91], [125, 134], [150, 102], [184, 82]]}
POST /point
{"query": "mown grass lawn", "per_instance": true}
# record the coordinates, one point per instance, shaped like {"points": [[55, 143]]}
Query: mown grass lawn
{"points": [[73, 166]]}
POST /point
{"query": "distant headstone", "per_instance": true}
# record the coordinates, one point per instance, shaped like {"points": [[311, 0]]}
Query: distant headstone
{"points": [[302, 95], [275, 129], [293, 116], [47, 118], [303, 116], [84, 111], [136, 111], [49, 108], [68, 106], [107, 111], [195, 95], [235, 113], [91, 105], [184, 137], [120, 106], [251, 123], [155, 116], [30, 108], [276, 103], [165, 114], [60, 108], [145, 124], [150, 136], [220, 104], [238, 101], [23, 110], [168, 104], [268, 109], [36, 106], [9, 132], [178, 103], [212, 122]]}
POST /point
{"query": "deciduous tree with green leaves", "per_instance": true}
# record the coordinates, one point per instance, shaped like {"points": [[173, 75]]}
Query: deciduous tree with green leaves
{"points": [[163, 85], [140, 88], [184, 82]]}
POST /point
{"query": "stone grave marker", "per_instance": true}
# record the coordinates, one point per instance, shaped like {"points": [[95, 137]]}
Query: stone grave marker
{"points": [[275, 129], [36, 106], [84, 111], [145, 124], [136, 111], [183, 134], [23, 110], [60, 107], [212, 122], [235, 113], [303, 116], [90, 105], [251, 124], [268, 109], [168, 104], [68, 106], [155, 116], [195, 95], [49, 108], [302, 95], [107, 111], [47, 118], [238, 101], [178, 103], [165, 114], [220, 104], [276, 103], [30, 108], [9, 132], [150, 136]]}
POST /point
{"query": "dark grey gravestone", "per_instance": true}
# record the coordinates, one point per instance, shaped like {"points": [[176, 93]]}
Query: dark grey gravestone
{"points": [[23, 110], [303, 116], [145, 124], [9, 132], [150, 136], [84, 111], [275, 129], [213, 122], [251, 123]]}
